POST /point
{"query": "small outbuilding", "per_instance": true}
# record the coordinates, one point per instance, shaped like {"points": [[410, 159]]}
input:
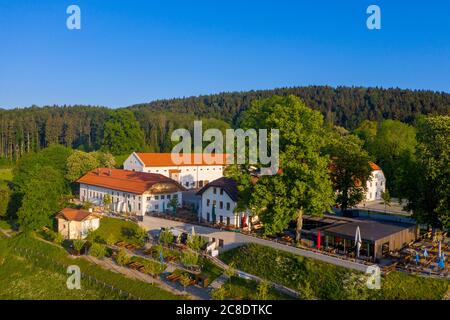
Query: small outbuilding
{"points": [[76, 224]]}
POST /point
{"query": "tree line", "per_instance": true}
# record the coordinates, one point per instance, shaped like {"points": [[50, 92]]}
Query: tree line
{"points": [[83, 127]]}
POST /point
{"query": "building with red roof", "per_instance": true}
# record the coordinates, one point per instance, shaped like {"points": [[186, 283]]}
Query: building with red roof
{"points": [[129, 191], [192, 170], [75, 223]]}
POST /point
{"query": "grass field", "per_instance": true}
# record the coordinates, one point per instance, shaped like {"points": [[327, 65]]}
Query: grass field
{"points": [[36, 277], [243, 289], [326, 281], [115, 230]]}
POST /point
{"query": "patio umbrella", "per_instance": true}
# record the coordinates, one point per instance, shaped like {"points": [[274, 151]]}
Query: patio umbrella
{"points": [[439, 249], [441, 263], [417, 257], [193, 231], [425, 253], [358, 241], [161, 257], [318, 240]]}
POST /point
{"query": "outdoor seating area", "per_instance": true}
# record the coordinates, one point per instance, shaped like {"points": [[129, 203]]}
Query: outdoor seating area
{"points": [[426, 256]]}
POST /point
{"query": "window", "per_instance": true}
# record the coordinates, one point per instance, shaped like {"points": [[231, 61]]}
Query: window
{"points": [[168, 197], [221, 191], [156, 206], [175, 195], [162, 197], [221, 219], [207, 202], [139, 206], [228, 221], [186, 183], [221, 205], [214, 203], [207, 216], [156, 197], [214, 190], [149, 198], [228, 206]]}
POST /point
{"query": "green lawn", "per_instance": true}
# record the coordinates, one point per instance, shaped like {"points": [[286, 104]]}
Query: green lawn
{"points": [[315, 279], [243, 289], [210, 270], [114, 230], [42, 281]]}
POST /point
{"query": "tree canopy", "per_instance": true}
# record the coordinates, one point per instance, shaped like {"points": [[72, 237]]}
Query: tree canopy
{"points": [[122, 133], [429, 197], [303, 184], [349, 169]]}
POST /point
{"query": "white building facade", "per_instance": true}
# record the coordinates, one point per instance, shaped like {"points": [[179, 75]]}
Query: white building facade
{"points": [[377, 184], [130, 193], [218, 203], [189, 175]]}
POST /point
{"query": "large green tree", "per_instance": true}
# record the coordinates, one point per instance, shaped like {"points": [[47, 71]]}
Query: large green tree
{"points": [[54, 156], [349, 169], [429, 198], [79, 163], [392, 146], [122, 133], [42, 198], [303, 184]]}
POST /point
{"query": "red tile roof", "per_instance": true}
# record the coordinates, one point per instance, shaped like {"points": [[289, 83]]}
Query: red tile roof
{"points": [[165, 159], [374, 166], [75, 214], [129, 181]]}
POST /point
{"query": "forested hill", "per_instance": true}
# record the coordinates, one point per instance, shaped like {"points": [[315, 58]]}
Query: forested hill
{"points": [[345, 106], [29, 129]]}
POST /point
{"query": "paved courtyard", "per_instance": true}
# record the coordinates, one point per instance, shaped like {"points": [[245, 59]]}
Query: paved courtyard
{"points": [[234, 239]]}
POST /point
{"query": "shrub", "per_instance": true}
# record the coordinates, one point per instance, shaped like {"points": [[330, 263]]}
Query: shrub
{"points": [[122, 258], [97, 250], [78, 245], [140, 234], [166, 237], [195, 242], [153, 267], [189, 258], [185, 280], [58, 238], [219, 294], [262, 291]]}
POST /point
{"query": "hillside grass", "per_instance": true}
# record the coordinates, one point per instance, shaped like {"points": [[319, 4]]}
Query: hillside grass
{"points": [[326, 281], [243, 289], [42, 281], [114, 230]]}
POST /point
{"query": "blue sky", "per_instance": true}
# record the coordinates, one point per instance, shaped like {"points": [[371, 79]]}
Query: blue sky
{"points": [[136, 51]]}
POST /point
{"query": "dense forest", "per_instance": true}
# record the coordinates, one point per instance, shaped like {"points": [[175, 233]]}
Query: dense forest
{"points": [[82, 127]]}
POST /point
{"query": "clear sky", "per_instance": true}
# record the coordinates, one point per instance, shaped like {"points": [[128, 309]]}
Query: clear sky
{"points": [[136, 51]]}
